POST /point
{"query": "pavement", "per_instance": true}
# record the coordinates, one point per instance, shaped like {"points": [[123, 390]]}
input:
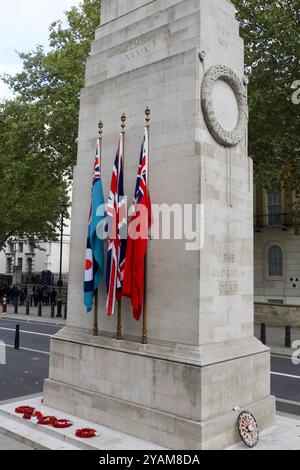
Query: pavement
{"points": [[285, 435], [48, 438], [9, 443], [33, 317], [276, 339], [26, 369]]}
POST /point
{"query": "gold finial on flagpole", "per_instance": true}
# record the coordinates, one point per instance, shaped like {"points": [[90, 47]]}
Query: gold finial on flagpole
{"points": [[123, 122], [148, 117], [100, 127]]}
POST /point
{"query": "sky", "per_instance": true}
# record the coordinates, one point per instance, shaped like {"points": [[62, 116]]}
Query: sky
{"points": [[23, 25]]}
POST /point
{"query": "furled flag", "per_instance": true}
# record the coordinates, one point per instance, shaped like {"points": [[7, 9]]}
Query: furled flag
{"points": [[94, 264], [117, 233], [134, 279]]}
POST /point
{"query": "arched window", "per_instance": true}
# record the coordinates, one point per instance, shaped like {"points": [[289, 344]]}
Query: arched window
{"points": [[275, 261]]}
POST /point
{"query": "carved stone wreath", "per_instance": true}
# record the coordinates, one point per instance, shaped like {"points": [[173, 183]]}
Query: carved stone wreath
{"points": [[221, 135]]}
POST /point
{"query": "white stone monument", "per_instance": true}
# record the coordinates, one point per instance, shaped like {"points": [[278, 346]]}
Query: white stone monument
{"points": [[183, 58]]}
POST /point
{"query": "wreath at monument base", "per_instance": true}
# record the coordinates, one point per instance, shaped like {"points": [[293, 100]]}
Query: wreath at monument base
{"points": [[31, 414], [47, 420], [62, 424], [21, 410], [248, 429], [86, 433]]}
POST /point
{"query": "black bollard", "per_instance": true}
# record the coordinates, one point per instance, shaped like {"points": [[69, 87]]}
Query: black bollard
{"points": [[288, 337], [17, 337], [40, 309], [16, 308], [53, 311], [65, 311], [27, 308], [263, 333], [59, 308]]}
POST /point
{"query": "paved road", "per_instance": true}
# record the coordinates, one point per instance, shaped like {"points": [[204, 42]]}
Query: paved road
{"points": [[25, 370], [286, 384]]}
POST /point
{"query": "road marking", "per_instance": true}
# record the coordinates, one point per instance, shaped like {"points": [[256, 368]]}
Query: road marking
{"points": [[10, 346], [27, 332], [289, 402], [286, 375], [287, 358]]}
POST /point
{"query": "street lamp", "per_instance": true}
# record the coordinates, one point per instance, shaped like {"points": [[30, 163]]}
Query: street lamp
{"points": [[62, 208]]}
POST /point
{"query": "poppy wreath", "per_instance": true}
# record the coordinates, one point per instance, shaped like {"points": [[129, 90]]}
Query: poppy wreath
{"points": [[62, 424], [21, 410], [47, 420], [86, 433]]}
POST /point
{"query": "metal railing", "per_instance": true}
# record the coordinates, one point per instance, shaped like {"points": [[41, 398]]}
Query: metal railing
{"points": [[281, 221]]}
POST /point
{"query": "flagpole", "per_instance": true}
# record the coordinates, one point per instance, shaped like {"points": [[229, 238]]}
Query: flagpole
{"points": [[145, 306], [119, 321], [96, 306]]}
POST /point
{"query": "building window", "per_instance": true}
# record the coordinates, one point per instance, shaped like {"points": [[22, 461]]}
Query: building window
{"points": [[275, 261], [275, 207], [8, 266], [20, 263], [21, 247], [29, 265]]}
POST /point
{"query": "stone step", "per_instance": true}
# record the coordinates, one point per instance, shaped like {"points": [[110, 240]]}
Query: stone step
{"points": [[32, 437], [48, 438]]}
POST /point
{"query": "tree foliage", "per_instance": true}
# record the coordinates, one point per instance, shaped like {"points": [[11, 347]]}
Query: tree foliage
{"points": [[272, 43], [39, 127]]}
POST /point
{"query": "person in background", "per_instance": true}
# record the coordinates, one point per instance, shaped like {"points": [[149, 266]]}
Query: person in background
{"points": [[53, 297], [4, 304]]}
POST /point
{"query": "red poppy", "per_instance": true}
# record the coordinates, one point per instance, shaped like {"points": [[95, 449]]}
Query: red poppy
{"points": [[86, 433], [62, 424]]}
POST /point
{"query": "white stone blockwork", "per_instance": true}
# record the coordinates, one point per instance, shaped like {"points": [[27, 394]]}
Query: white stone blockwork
{"points": [[202, 360]]}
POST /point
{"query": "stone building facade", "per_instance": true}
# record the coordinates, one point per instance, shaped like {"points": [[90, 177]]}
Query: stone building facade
{"points": [[277, 249]]}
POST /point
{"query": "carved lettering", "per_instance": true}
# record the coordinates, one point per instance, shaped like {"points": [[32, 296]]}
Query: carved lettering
{"points": [[223, 36], [228, 288]]}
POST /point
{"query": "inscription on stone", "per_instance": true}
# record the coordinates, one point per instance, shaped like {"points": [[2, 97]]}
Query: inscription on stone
{"points": [[136, 52], [144, 50], [228, 288], [142, 45], [228, 273], [223, 36]]}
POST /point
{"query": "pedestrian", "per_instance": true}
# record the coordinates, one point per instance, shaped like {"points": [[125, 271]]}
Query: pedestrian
{"points": [[53, 296], [4, 304], [22, 297]]}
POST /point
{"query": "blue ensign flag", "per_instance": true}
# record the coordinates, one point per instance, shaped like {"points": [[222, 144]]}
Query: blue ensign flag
{"points": [[94, 264]]}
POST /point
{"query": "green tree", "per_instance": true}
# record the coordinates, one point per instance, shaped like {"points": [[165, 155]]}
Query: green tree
{"points": [[272, 43], [39, 128]]}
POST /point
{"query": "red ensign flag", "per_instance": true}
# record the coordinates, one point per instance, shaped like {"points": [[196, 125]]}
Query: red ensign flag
{"points": [[134, 280]]}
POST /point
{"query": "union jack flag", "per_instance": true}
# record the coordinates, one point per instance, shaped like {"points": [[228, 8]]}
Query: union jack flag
{"points": [[117, 229], [142, 177]]}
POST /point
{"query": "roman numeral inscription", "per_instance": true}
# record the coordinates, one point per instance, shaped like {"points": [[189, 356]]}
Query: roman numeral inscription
{"points": [[137, 52]]}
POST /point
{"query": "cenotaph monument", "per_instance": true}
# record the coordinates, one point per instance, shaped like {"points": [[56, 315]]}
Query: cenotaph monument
{"points": [[185, 60]]}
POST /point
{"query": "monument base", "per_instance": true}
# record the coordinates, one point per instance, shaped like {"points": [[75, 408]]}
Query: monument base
{"points": [[177, 396]]}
